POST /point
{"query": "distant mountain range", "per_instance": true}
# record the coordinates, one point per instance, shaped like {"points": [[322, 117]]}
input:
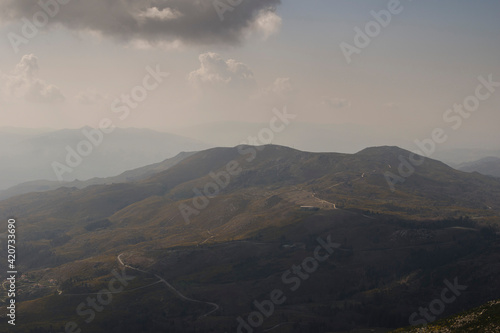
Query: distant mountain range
{"points": [[487, 166], [127, 176], [456, 157], [28, 155]]}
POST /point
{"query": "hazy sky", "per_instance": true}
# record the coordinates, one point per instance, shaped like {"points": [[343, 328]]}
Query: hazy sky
{"points": [[264, 54]]}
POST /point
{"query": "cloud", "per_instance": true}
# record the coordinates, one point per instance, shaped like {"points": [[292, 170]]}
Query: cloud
{"points": [[336, 103], [23, 83], [163, 15], [163, 45], [90, 97], [282, 86], [27, 66], [267, 23], [282, 90], [155, 21], [215, 71]]}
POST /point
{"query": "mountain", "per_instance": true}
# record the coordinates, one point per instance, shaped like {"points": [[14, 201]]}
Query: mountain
{"points": [[127, 176], [30, 155], [487, 166], [349, 180], [212, 238]]}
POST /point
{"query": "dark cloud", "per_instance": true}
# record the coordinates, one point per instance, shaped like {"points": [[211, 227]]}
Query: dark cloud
{"points": [[155, 21]]}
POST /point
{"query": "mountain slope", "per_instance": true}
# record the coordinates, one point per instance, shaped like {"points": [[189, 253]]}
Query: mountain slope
{"points": [[223, 225], [485, 319], [271, 182], [349, 181]]}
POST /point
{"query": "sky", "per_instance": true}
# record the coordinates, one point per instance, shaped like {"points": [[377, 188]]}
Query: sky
{"points": [[236, 60]]}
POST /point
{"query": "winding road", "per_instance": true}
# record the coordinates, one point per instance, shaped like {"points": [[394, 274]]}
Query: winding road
{"points": [[175, 291]]}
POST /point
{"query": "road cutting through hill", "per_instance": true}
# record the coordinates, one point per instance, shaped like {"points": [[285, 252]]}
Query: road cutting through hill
{"points": [[175, 291]]}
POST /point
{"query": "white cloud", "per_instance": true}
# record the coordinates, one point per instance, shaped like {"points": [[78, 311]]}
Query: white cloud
{"points": [[267, 23], [282, 86], [23, 83], [27, 66], [142, 44], [280, 91], [41, 92], [163, 15], [214, 70]]}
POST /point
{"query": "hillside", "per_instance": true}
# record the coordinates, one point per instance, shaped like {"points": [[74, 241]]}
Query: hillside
{"points": [[222, 226], [354, 181], [485, 319]]}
